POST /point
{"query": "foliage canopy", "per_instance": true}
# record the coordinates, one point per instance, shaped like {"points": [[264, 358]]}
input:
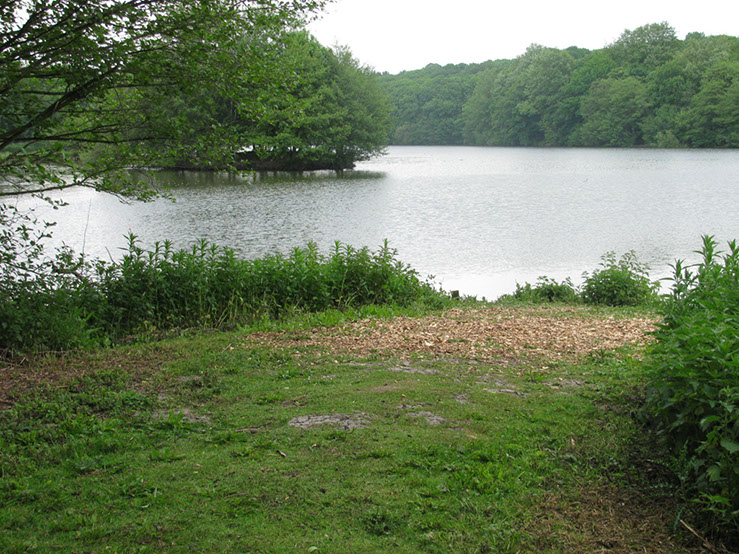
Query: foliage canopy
{"points": [[89, 88], [335, 115], [647, 88]]}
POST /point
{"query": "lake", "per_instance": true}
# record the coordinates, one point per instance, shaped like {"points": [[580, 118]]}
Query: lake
{"points": [[478, 219]]}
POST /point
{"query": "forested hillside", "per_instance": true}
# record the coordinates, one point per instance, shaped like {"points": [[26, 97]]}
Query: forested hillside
{"points": [[648, 88]]}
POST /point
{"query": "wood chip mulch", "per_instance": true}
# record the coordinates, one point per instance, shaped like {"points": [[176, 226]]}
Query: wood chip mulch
{"points": [[488, 334], [482, 334]]}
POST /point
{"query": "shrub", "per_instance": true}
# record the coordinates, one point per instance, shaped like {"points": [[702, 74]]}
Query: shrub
{"points": [[547, 289], [41, 319], [67, 302], [208, 285], [693, 392], [43, 301], [622, 282]]}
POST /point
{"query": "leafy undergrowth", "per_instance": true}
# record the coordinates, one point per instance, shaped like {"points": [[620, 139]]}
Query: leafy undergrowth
{"points": [[293, 440]]}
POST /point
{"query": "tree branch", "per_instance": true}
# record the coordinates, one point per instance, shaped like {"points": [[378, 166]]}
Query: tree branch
{"points": [[72, 96]]}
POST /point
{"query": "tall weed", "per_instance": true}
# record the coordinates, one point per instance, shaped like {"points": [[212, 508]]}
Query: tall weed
{"points": [[619, 282], [209, 285], [547, 289], [45, 303], [694, 379], [68, 302]]}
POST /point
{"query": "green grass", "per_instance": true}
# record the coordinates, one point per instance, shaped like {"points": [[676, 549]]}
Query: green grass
{"points": [[187, 445]]}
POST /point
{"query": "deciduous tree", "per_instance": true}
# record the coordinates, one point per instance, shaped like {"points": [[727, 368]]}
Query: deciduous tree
{"points": [[612, 112], [334, 114]]}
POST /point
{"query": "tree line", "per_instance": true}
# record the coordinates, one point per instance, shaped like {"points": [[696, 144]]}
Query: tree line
{"points": [[648, 88]]}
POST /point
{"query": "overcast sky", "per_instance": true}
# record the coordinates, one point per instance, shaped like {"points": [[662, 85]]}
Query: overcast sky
{"points": [[397, 35]]}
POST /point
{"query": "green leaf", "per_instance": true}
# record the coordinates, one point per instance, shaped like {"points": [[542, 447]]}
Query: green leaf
{"points": [[714, 473], [706, 422], [730, 445]]}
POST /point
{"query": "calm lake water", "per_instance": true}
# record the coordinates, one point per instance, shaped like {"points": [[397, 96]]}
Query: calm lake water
{"points": [[478, 219]]}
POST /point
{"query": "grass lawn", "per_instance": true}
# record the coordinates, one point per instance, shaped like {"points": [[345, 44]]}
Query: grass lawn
{"points": [[485, 429]]}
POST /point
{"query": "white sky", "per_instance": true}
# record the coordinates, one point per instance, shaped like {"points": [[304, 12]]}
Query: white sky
{"points": [[397, 35]]}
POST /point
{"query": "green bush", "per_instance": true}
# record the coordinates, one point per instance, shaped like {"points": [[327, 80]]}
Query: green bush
{"points": [[34, 317], [209, 285], [67, 302], [622, 282], [44, 303], [546, 289], [693, 392]]}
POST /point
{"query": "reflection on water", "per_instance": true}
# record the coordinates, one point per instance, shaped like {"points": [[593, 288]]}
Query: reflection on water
{"points": [[201, 179], [479, 219]]}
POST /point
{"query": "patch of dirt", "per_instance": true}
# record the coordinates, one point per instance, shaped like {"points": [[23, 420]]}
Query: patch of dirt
{"points": [[343, 421], [185, 413], [565, 384], [486, 334], [501, 386], [58, 370], [368, 366], [512, 392], [191, 380], [408, 369], [606, 519], [410, 406], [430, 418]]}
